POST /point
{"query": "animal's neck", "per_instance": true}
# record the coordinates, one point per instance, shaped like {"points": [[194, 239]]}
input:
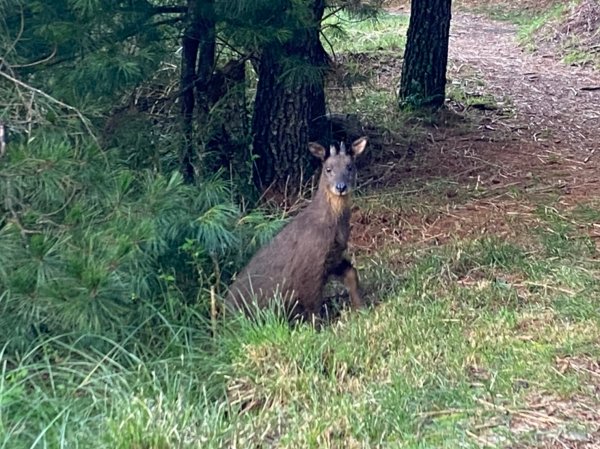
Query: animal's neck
{"points": [[338, 207]]}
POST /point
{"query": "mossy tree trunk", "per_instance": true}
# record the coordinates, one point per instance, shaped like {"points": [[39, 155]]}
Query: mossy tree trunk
{"points": [[423, 82], [289, 108]]}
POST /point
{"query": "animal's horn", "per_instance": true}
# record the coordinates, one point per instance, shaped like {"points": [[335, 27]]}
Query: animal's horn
{"points": [[342, 148], [332, 150]]}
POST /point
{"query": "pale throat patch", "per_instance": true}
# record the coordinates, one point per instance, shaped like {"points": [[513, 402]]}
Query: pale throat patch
{"points": [[338, 203]]}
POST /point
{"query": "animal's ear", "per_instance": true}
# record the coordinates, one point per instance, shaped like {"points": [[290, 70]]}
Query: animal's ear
{"points": [[358, 146], [317, 150]]}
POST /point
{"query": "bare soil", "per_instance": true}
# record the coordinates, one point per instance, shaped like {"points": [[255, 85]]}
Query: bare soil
{"points": [[539, 137], [554, 132]]}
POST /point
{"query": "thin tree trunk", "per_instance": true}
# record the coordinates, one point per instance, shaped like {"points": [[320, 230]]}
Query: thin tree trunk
{"points": [[289, 110], [423, 81], [206, 56], [227, 138], [317, 120], [197, 62], [190, 43]]}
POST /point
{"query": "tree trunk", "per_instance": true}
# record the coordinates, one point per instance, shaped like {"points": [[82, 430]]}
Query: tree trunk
{"points": [[423, 81], [227, 133], [289, 109], [197, 62], [206, 56]]}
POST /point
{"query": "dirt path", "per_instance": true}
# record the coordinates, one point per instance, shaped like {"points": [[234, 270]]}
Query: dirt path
{"points": [[540, 139], [552, 141], [556, 118]]}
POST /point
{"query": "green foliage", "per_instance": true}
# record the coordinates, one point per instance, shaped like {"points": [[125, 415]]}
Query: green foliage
{"points": [[427, 380], [256, 24], [530, 24], [85, 52], [87, 244], [347, 32], [111, 249]]}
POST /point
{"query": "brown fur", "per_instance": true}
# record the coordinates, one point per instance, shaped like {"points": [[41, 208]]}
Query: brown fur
{"points": [[297, 263]]}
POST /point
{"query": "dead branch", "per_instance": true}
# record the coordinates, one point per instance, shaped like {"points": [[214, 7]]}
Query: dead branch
{"points": [[54, 100]]}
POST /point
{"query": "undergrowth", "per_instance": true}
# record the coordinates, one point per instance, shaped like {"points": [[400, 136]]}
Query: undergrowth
{"points": [[90, 245], [528, 28], [107, 340], [468, 324]]}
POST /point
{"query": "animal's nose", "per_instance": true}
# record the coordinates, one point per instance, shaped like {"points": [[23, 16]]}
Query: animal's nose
{"points": [[341, 187]]}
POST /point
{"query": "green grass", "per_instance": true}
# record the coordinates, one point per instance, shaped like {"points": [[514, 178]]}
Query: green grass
{"points": [[463, 325], [528, 18], [528, 27], [365, 45], [536, 26], [582, 57], [470, 90], [533, 27], [349, 34]]}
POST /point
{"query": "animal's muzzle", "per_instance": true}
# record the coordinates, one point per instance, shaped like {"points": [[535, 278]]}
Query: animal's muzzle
{"points": [[341, 187]]}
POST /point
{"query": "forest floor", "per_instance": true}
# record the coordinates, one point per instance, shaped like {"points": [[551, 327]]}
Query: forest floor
{"points": [[515, 159], [531, 126]]}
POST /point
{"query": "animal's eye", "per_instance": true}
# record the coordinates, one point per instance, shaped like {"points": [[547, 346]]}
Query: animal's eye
{"points": [[328, 170]]}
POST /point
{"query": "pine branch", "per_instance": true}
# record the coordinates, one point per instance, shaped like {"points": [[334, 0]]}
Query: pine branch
{"points": [[171, 21], [54, 100], [16, 220], [32, 64], [177, 9], [12, 46], [326, 39], [157, 10], [332, 13]]}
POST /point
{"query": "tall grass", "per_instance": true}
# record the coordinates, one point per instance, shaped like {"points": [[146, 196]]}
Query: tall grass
{"points": [[467, 324]]}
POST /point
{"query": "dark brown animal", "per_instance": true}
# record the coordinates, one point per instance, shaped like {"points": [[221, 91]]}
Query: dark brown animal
{"points": [[295, 266]]}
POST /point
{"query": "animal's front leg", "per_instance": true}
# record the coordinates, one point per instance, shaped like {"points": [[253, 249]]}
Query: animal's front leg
{"points": [[349, 276]]}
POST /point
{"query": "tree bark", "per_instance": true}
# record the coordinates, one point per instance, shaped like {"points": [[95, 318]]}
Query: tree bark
{"points": [[228, 128], [206, 55], [423, 82], [289, 110], [197, 63]]}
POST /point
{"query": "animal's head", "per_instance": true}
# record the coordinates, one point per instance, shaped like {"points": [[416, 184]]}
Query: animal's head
{"points": [[339, 171]]}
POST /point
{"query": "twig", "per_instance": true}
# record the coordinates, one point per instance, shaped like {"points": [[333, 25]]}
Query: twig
{"points": [[479, 439], [16, 220], [587, 159], [532, 415], [546, 287], [491, 164], [64, 206], [38, 62], [332, 13], [2, 139], [51, 98], [213, 311], [12, 46], [450, 411]]}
